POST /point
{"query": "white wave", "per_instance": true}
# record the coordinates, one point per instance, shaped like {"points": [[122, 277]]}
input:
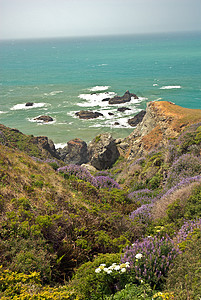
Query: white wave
{"points": [[95, 99], [102, 65], [3, 112], [99, 88], [53, 93], [169, 87], [60, 145], [23, 106], [120, 123], [155, 84]]}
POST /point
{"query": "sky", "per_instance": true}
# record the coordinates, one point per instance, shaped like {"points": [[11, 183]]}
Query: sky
{"points": [[21, 19]]}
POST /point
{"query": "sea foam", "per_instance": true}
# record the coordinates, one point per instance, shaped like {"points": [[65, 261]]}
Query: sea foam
{"points": [[169, 87], [95, 99], [53, 93], [23, 106], [99, 88]]}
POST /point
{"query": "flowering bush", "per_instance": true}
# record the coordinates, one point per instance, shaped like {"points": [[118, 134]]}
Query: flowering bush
{"points": [[19, 286], [142, 214], [185, 166], [187, 230], [150, 259], [85, 175]]}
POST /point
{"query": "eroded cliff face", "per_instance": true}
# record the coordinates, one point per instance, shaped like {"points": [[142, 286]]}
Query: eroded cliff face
{"points": [[163, 120]]}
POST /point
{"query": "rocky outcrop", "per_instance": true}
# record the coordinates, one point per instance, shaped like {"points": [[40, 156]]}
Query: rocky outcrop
{"points": [[29, 104], [103, 151], [75, 152], [137, 118], [85, 114], [125, 98], [163, 120], [45, 119], [123, 109], [46, 144]]}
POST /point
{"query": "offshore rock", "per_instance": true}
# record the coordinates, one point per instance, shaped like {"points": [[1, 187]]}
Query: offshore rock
{"points": [[29, 104], [137, 119], [125, 98], [123, 109], [45, 119], [85, 114], [75, 152], [103, 151]]}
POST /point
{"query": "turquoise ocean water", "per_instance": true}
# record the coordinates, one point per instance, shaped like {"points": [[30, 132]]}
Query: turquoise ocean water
{"points": [[63, 76]]}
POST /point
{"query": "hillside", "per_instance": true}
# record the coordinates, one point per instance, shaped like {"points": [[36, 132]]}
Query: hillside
{"points": [[129, 232]]}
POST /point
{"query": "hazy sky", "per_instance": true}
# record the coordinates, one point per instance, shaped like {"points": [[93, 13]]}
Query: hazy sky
{"points": [[59, 18]]}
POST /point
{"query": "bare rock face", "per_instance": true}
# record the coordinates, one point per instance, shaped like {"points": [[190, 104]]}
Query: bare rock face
{"points": [[46, 144], [44, 119], [163, 120], [137, 119], [75, 152], [85, 114], [125, 98], [103, 151]]}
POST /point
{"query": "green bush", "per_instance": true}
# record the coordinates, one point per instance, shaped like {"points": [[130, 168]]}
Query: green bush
{"points": [[134, 292], [184, 279], [193, 205], [89, 284]]}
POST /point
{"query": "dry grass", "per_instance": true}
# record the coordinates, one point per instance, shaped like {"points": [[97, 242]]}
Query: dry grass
{"points": [[20, 176], [160, 207]]}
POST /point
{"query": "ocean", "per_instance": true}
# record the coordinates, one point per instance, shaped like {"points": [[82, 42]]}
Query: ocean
{"points": [[64, 76]]}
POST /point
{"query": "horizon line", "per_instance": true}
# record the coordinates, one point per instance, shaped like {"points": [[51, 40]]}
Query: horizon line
{"points": [[100, 35]]}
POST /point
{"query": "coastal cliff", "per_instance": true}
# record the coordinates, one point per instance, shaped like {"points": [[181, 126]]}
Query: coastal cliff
{"points": [[163, 120]]}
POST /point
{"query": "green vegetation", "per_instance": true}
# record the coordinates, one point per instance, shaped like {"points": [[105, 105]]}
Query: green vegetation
{"points": [[65, 236]]}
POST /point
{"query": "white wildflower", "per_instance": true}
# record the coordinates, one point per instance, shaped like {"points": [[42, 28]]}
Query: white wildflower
{"points": [[117, 268], [98, 270], [123, 270], [138, 256]]}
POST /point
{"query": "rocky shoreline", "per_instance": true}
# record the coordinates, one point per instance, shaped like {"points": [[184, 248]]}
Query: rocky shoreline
{"points": [[161, 121]]}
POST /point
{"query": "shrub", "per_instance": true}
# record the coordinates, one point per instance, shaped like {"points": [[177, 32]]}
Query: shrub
{"points": [[84, 174], [193, 205], [134, 292], [88, 283], [185, 276], [150, 259], [185, 166], [19, 286], [142, 214]]}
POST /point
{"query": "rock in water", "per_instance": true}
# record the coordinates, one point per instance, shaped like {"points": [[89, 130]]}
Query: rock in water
{"points": [[123, 109], [44, 119], [137, 119], [85, 114], [29, 104], [75, 152], [103, 151], [125, 98]]}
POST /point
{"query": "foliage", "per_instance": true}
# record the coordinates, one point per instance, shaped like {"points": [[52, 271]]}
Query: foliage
{"points": [[83, 174], [184, 279], [134, 292], [19, 286], [150, 259], [88, 283]]}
